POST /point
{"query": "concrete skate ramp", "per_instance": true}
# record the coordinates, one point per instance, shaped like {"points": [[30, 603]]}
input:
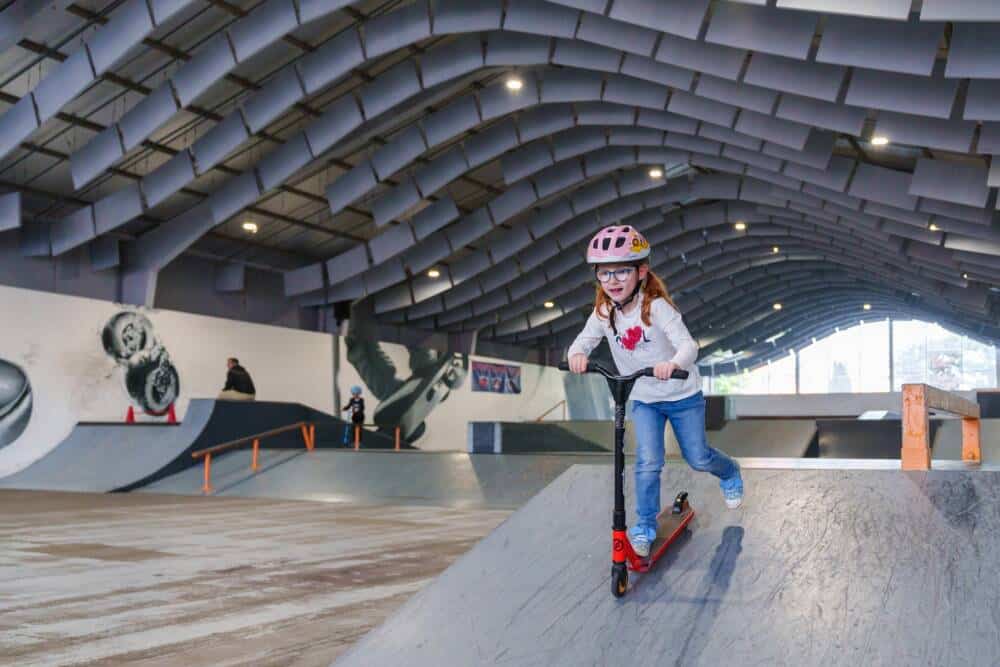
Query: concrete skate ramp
{"points": [[120, 457], [446, 479], [820, 567]]}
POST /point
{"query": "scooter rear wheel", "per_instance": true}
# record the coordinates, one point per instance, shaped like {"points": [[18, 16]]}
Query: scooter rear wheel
{"points": [[619, 579]]}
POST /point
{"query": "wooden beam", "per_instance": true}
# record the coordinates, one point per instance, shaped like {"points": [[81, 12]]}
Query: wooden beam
{"points": [[918, 401]]}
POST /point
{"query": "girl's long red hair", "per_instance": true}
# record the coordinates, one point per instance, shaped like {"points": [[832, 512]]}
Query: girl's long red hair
{"points": [[654, 289]]}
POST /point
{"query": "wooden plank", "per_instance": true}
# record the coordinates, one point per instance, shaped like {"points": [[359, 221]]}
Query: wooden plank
{"points": [[939, 399], [916, 453], [971, 449]]}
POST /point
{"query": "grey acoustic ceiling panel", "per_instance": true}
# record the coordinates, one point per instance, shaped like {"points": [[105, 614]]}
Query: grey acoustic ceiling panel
{"points": [[129, 24], [515, 239], [278, 94], [62, 83], [498, 275], [457, 16], [577, 53], [902, 92], [816, 153], [751, 157], [390, 273], [347, 265], [540, 18], [105, 253], [783, 132], [731, 137], [620, 35], [762, 29], [434, 217], [511, 49], [748, 97], [391, 242], [603, 113], [10, 211], [974, 51], [576, 141], [556, 178], [550, 217], [816, 80], [678, 17], [170, 177], [90, 161], [834, 177], [267, 23], [960, 10], [840, 118], [210, 63], [908, 48], [708, 58], [888, 9], [427, 253], [696, 144], [571, 86], [635, 136], [952, 135], [451, 60], [16, 124], [545, 120], [606, 160], [238, 193], [390, 88], [350, 186], [440, 171], [982, 100], [469, 229], [72, 231], [950, 181], [592, 196], [210, 149], [516, 199], [626, 90], [491, 142], [279, 165], [394, 202], [400, 151], [470, 265], [632, 182], [883, 185], [337, 121], [118, 208], [658, 72], [164, 10], [230, 277], [538, 252], [596, 6], [663, 120], [498, 100], [331, 61], [151, 112], [397, 29], [976, 215], [526, 284], [700, 108]]}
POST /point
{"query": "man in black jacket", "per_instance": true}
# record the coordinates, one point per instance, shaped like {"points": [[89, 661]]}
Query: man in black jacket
{"points": [[239, 385]]}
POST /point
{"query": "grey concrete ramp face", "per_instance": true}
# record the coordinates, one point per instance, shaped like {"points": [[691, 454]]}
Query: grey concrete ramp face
{"points": [[820, 567]]}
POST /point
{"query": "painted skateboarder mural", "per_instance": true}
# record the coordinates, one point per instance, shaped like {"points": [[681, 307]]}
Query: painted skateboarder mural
{"points": [[151, 380]]}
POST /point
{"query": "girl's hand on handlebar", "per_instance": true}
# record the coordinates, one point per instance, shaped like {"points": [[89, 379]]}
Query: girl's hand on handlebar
{"points": [[578, 363], [664, 369]]}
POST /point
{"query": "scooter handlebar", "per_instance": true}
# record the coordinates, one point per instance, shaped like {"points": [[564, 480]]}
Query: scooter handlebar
{"points": [[593, 367]]}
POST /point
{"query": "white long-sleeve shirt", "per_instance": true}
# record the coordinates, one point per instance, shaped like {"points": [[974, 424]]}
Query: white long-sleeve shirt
{"points": [[637, 346]]}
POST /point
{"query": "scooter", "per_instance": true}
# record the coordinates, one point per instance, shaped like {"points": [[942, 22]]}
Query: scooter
{"points": [[670, 523]]}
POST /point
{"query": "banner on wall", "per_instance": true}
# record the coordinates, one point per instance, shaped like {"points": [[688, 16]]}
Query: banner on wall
{"points": [[496, 378]]}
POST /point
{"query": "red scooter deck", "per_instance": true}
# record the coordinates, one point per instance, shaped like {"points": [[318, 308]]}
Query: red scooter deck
{"points": [[669, 527]]}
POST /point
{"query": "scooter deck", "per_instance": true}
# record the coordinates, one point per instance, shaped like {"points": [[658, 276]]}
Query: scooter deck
{"points": [[669, 527]]}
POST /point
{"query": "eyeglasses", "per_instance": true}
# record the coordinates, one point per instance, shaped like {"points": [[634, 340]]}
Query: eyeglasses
{"points": [[621, 275]]}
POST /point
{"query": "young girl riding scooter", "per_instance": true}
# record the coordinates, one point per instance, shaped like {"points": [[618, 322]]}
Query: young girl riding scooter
{"points": [[644, 329]]}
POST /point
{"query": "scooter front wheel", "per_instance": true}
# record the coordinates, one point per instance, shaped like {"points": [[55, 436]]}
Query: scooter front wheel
{"points": [[619, 579]]}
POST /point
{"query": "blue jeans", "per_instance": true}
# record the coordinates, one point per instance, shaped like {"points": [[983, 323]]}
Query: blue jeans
{"points": [[687, 418]]}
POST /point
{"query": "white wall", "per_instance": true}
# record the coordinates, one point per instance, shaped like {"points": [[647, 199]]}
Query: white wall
{"points": [[57, 340]]}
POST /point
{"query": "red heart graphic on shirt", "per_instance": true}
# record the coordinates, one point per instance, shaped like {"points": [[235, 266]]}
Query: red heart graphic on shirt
{"points": [[631, 337]]}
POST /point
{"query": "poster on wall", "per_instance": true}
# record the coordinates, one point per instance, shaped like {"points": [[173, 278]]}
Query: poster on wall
{"points": [[405, 396], [496, 378]]}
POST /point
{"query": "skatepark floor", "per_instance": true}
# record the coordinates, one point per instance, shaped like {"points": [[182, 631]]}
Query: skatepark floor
{"points": [[142, 579]]}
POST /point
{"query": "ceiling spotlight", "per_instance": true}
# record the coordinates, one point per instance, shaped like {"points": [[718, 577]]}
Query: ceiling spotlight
{"points": [[656, 172], [965, 276], [514, 83], [880, 140], [250, 227], [867, 306], [434, 273], [549, 304], [740, 226], [775, 250], [934, 227], [776, 306]]}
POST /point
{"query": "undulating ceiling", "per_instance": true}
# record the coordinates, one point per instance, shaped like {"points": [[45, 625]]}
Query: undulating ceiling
{"points": [[447, 160]]}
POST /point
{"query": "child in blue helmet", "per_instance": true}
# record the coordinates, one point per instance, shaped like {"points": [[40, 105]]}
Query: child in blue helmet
{"points": [[356, 406]]}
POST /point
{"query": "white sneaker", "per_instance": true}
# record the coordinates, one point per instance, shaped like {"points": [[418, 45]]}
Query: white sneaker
{"points": [[640, 544], [733, 494]]}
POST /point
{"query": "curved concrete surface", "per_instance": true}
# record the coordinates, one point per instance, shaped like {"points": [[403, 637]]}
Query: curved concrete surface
{"points": [[122, 457], [831, 567]]}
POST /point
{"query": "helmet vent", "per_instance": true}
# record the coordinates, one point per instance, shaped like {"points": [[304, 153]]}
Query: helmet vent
{"points": [[607, 243], [620, 241]]}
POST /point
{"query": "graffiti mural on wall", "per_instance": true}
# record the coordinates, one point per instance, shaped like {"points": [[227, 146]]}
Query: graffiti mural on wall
{"points": [[402, 402], [15, 402], [151, 380]]}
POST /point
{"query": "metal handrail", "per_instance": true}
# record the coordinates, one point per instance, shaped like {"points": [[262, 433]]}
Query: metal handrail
{"points": [[308, 430]]}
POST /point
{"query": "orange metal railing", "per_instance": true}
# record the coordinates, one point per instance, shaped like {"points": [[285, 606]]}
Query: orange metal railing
{"points": [[307, 429], [918, 401], [357, 436]]}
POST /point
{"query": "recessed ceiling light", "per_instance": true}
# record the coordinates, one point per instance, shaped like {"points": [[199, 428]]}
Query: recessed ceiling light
{"points": [[740, 226], [549, 304], [775, 250], [933, 227], [880, 140], [514, 83], [434, 273], [776, 306], [867, 306], [656, 172], [965, 276], [250, 227]]}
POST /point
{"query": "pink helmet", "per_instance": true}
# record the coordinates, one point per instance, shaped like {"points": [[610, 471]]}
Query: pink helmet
{"points": [[617, 245]]}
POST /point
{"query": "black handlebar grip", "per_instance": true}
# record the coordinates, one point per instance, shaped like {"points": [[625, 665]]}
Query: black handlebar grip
{"points": [[564, 365], [679, 374]]}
